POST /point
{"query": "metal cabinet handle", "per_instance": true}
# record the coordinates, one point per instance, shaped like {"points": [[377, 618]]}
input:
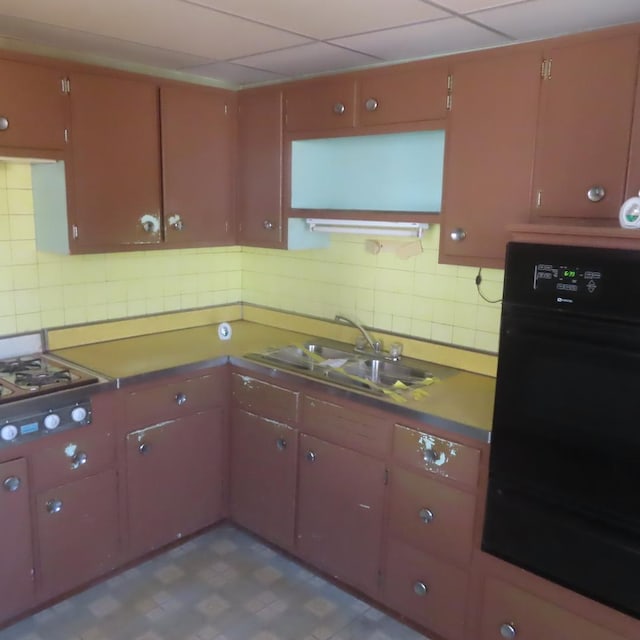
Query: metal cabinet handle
{"points": [[268, 225], [144, 448], [311, 456], [12, 483], [430, 455], [178, 225], [508, 630], [181, 398], [458, 235], [426, 515], [371, 104], [596, 193], [147, 225], [54, 506], [420, 588], [281, 444], [79, 459], [339, 108], [4, 123]]}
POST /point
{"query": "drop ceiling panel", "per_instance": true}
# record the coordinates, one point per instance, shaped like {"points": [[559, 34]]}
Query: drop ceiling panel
{"points": [[309, 58], [545, 18], [423, 40], [325, 19], [466, 6]]}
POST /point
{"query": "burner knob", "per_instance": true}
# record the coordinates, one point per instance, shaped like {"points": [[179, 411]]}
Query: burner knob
{"points": [[78, 414], [8, 432], [51, 421]]}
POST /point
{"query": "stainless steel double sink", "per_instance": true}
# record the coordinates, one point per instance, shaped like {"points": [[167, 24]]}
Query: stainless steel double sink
{"points": [[331, 362]]}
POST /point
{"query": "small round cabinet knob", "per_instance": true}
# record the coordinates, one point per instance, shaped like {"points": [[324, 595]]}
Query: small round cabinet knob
{"points": [[178, 225], [430, 455], [54, 506], [144, 448], [420, 588], [508, 630], [458, 235], [181, 398], [311, 456], [147, 226], [281, 444], [4, 123], [426, 515], [268, 225], [339, 108], [371, 104], [596, 193], [79, 459], [12, 483]]}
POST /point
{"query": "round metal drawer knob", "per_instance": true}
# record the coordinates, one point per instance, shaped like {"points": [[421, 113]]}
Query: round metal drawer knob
{"points": [[54, 506], [311, 456], [596, 193], [79, 459], [458, 235], [339, 108], [430, 456], [144, 448], [281, 444], [420, 588], [181, 398], [4, 123], [508, 630], [371, 104], [268, 225], [12, 483], [426, 515]]}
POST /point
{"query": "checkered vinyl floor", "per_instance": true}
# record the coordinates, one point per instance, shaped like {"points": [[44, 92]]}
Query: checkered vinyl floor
{"points": [[221, 585]]}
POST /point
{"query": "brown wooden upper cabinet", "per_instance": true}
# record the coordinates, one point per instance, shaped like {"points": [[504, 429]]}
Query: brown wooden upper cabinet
{"points": [[394, 95], [197, 144], [259, 194], [489, 154], [33, 107], [586, 109], [149, 166]]}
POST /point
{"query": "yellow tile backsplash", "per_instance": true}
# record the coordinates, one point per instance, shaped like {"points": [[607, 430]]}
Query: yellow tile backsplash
{"points": [[414, 296]]}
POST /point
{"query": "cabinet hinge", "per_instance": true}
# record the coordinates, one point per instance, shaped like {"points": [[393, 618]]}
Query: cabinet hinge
{"points": [[545, 69], [65, 85], [74, 231], [66, 135], [539, 198], [226, 109], [449, 101]]}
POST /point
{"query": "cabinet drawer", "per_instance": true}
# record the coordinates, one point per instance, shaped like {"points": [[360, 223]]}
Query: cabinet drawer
{"points": [[72, 455], [511, 612], [264, 398], [431, 515], [427, 452], [320, 105], [427, 590], [347, 426], [174, 398]]}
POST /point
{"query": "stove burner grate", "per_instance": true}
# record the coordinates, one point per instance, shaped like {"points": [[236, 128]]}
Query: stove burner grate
{"points": [[17, 365], [37, 379]]}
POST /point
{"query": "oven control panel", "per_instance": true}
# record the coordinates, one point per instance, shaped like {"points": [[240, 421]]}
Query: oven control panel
{"points": [[567, 280], [23, 428]]}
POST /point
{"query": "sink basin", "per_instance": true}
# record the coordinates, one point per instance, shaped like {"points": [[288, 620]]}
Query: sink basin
{"points": [[386, 373]]}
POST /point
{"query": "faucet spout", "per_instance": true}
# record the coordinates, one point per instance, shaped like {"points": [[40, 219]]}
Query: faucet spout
{"points": [[375, 345]]}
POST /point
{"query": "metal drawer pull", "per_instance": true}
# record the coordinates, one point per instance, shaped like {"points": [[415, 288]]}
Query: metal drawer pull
{"points": [[430, 455], [12, 483], [79, 459], [268, 225], [508, 630], [426, 515], [458, 235], [281, 443], [339, 108], [144, 448], [420, 588], [596, 193], [181, 398], [311, 456], [371, 104], [4, 123], [54, 506]]}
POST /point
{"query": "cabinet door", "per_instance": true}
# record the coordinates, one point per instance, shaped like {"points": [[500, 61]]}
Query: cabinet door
{"points": [[33, 105], [197, 145], [16, 555], [403, 95], [78, 532], [339, 519], [263, 476], [633, 169], [585, 121], [174, 479], [490, 147], [320, 105], [259, 193], [113, 184]]}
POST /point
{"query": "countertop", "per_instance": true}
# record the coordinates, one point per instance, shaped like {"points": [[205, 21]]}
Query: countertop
{"points": [[462, 402]]}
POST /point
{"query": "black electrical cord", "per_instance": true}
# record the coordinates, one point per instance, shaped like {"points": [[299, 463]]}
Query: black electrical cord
{"points": [[478, 281]]}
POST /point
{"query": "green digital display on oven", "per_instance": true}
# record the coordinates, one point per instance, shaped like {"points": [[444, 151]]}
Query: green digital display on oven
{"points": [[569, 273]]}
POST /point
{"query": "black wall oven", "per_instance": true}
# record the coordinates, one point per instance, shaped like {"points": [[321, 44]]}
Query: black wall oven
{"points": [[564, 485]]}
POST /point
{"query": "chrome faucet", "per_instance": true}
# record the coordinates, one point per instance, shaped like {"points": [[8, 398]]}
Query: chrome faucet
{"points": [[376, 345]]}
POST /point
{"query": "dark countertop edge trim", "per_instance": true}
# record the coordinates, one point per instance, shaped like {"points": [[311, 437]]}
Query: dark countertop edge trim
{"points": [[474, 433]]}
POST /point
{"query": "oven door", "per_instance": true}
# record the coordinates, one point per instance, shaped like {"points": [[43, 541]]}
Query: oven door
{"points": [[564, 486]]}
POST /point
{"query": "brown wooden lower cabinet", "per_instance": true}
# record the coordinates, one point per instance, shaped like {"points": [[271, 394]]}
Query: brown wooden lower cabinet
{"points": [[175, 479], [426, 589], [16, 554], [78, 532], [263, 476], [339, 513]]}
